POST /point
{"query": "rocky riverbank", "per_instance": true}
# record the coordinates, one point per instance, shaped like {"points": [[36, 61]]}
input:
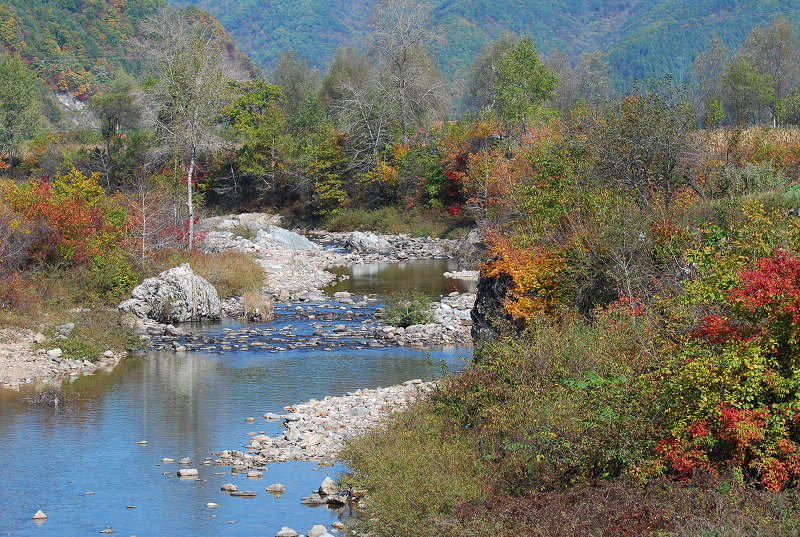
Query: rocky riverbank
{"points": [[318, 429], [29, 357]]}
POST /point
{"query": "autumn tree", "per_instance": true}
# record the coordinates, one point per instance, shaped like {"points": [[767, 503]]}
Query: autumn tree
{"points": [[300, 85], [645, 145], [709, 68], [20, 105], [189, 89], [348, 66]]}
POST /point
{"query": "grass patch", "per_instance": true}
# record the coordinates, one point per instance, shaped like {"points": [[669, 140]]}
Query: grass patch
{"points": [[95, 333], [393, 220], [405, 310], [232, 273]]}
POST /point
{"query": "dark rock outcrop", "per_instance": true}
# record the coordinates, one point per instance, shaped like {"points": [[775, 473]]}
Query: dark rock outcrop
{"points": [[489, 319], [470, 250]]}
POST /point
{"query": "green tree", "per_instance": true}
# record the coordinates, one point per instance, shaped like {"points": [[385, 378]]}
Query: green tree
{"points": [[118, 113], [523, 84], [480, 93], [19, 105], [300, 84], [774, 52], [257, 116], [748, 93]]}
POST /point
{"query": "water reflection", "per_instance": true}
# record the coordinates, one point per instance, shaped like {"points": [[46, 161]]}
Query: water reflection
{"points": [[388, 278]]}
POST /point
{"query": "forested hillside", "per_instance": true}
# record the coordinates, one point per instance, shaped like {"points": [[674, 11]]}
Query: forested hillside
{"points": [[77, 45], [641, 39]]}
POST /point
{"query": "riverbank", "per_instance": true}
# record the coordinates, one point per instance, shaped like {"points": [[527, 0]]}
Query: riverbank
{"points": [[29, 357]]}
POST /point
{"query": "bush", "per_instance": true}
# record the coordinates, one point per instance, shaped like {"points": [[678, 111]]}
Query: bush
{"points": [[417, 470], [392, 220], [405, 310]]}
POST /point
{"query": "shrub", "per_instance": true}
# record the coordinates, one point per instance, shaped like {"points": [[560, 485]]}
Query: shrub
{"points": [[405, 310]]}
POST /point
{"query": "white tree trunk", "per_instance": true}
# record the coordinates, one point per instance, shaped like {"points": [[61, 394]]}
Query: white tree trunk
{"points": [[189, 202]]}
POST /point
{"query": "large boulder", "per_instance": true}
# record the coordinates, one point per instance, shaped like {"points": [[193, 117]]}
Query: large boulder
{"points": [[276, 237], [250, 221], [470, 250], [367, 243], [176, 295]]}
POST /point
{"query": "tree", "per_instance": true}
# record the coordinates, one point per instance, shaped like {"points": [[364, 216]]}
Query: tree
{"points": [[480, 93], [19, 105], [709, 68], [409, 79], [523, 84], [190, 88], [118, 113], [594, 79], [646, 144], [348, 65], [567, 91], [299, 83], [257, 115], [773, 52], [748, 93]]}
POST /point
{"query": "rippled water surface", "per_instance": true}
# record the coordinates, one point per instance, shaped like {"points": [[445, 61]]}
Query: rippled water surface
{"points": [[183, 405]]}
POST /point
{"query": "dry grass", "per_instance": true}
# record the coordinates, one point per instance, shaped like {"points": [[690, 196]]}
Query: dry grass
{"points": [[232, 273], [257, 306]]}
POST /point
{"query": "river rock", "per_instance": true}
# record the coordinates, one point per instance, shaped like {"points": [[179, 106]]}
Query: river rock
{"points": [[229, 487], [276, 488], [317, 531], [39, 515], [176, 295], [286, 532], [367, 242], [275, 236], [185, 460], [244, 494], [188, 472], [54, 353], [328, 487]]}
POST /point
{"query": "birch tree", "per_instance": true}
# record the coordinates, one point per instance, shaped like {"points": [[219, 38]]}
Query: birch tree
{"points": [[189, 90]]}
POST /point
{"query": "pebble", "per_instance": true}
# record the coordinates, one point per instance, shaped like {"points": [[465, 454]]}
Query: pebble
{"points": [[211, 505], [185, 460], [142, 442], [229, 487], [276, 488], [39, 515], [167, 460]]}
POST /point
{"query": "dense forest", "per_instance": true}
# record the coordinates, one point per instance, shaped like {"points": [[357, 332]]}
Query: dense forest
{"points": [[637, 39], [636, 365]]}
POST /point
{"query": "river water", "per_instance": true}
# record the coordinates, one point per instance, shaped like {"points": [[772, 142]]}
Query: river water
{"points": [[80, 463]]}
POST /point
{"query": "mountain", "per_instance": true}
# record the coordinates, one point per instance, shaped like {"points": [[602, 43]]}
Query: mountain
{"points": [[641, 38], [76, 45]]}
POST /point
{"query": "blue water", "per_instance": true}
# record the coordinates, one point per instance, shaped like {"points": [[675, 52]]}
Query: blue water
{"points": [[187, 404]]}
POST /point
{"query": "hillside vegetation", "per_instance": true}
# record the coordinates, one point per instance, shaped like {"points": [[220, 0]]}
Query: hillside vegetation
{"points": [[77, 45], [640, 39]]}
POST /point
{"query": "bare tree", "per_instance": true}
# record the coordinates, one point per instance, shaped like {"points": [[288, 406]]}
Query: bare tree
{"points": [[190, 89], [409, 78]]}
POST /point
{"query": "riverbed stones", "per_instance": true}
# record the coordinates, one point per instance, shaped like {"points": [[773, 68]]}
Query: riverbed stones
{"points": [[367, 243], [175, 295], [255, 474], [318, 429]]}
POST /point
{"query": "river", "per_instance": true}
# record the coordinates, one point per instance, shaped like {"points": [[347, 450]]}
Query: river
{"points": [[80, 463]]}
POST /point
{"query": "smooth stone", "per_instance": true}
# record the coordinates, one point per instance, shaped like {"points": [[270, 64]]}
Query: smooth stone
{"points": [[186, 460], [255, 475], [317, 531], [130, 507], [54, 353], [39, 515], [286, 532], [229, 487], [142, 442], [211, 505], [328, 487], [250, 420], [188, 472], [244, 494], [107, 531], [276, 488], [167, 460]]}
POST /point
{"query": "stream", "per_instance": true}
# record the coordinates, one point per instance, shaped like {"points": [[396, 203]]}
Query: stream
{"points": [[80, 462]]}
